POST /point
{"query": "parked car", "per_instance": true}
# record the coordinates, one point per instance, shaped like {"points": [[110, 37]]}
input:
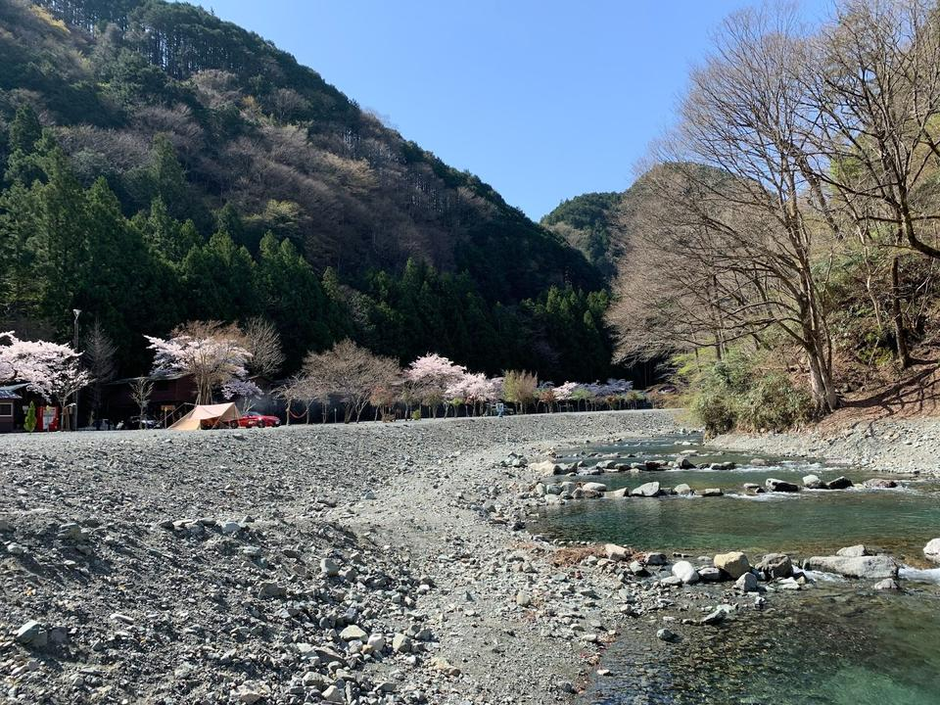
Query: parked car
{"points": [[255, 420]]}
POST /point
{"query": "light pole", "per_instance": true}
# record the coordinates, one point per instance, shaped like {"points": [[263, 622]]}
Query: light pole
{"points": [[76, 312]]}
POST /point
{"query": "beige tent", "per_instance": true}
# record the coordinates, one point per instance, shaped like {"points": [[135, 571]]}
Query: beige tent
{"points": [[212, 414]]}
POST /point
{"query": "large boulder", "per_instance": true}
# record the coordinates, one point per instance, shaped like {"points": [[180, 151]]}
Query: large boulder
{"points": [[683, 489], [932, 551], [685, 571], [712, 492], [746, 583], [874, 567], [840, 483], [775, 485], [734, 563], [594, 487], [653, 465], [649, 489], [812, 482], [683, 463], [776, 565], [879, 483]]}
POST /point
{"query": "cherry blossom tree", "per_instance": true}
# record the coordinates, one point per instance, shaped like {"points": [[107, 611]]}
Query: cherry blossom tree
{"points": [[51, 370], [211, 352], [431, 376]]}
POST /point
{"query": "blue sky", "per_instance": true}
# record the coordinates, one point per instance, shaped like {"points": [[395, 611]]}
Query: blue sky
{"points": [[543, 99]]}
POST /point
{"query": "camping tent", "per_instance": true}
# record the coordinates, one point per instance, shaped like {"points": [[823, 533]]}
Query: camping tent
{"points": [[212, 414]]}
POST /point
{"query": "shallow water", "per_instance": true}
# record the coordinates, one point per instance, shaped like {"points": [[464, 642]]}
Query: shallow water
{"points": [[815, 522], [839, 642]]}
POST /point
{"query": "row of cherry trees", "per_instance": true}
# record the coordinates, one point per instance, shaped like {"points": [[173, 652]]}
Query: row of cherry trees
{"points": [[233, 361]]}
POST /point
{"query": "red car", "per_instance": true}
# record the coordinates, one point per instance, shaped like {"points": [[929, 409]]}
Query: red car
{"points": [[255, 420]]}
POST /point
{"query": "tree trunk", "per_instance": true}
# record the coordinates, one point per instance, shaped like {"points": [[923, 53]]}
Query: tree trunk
{"points": [[897, 317]]}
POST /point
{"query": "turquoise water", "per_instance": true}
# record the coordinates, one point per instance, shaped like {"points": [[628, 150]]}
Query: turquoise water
{"points": [[839, 643], [898, 521]]}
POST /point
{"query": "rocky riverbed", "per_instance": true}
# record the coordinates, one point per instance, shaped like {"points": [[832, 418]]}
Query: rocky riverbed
{"points": [[349, 564], [903, 445]]}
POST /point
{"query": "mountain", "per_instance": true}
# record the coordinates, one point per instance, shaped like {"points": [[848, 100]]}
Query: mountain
{"points": [[586, 223], [214, 155]]}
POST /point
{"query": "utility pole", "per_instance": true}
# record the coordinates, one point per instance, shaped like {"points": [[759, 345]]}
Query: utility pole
{"points": [[76, 312]]}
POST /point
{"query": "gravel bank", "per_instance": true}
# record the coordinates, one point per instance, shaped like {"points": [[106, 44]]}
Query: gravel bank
{"points": [[902, 446], [351, 564]]}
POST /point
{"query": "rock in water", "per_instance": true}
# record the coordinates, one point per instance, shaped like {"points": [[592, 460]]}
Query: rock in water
{"points": [[932, 551], [683, 463], [776, 565], [733, 563], [686, 572], [853, 551], [875, 567], [775, 485], [887, 584], [683, 489], [878, 483], [812, 482], [840, 483], [712, 492], [650, 489]]}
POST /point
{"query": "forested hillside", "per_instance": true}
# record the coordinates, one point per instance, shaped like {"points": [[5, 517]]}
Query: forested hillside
{"points": [[160, 165]]}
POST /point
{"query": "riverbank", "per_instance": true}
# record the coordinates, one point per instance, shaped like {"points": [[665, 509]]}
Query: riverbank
{"points": [[885, 445], [362, 564]]}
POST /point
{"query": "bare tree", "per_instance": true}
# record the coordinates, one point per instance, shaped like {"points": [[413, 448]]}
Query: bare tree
{"points": [[141, 389], [757, 230], [351, 373], [99, 361], [261, 339]]}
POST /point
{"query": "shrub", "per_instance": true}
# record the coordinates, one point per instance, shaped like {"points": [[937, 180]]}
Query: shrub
{"points": [[741, 392], [30, 422]]}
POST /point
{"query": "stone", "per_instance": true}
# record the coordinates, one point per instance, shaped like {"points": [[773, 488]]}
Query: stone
{"points": [[683, 489], [683, 463], [932, 550], [271, 590], [746, 583], [615, 552], [401, 644], [329, 568], [649, 489], [709, 574], [775, 485], [853, 551], [758, 463], [671, 581], [716, 616], [776, 565], [353, 632], [333, 695], [546, 467], [653, 465], [655, 558], [441, 664], [712, 492], [31, 633], [667, 635], [734, 563], [686, 572], [878, 483], [231, 527], [752, 488], [376, 642], [594, 487], [812, 482], [618, 494], [875, 567], [840, 483], [887, 584], [637, 568], [523, 599]]}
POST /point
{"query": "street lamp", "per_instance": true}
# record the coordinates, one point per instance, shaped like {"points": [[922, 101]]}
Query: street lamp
{"points": [[75, 312]]}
